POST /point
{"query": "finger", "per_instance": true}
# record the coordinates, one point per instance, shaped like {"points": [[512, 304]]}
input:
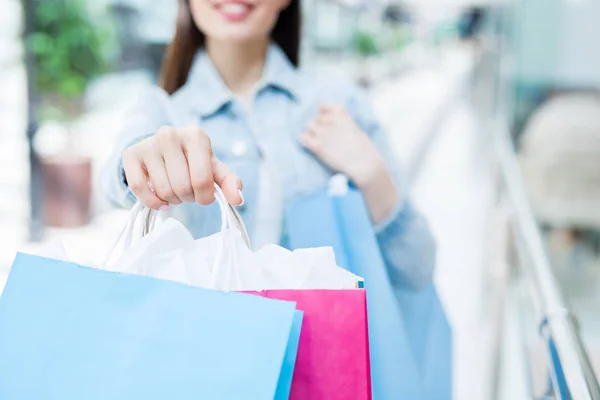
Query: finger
{"points": [[178, 172], [198, 152], [310, 141], [316, 128], [157, 172], [137, 180], [332, 110], [229, 182], [327, 108], [324, 119]]}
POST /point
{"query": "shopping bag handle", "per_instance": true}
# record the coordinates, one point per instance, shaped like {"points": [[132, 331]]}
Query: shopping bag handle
{"points": [[142, 221], [230, 217]]}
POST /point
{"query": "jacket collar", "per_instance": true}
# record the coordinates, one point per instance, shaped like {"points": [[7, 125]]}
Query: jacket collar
{"points": [[210, 93]]}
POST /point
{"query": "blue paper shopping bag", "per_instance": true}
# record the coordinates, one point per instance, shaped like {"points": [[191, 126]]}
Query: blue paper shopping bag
{"points": [[430, 338], [71, 332], [410, 338]]}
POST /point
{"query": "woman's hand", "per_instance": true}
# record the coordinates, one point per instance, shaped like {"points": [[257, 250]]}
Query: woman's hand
{"points": [[177, 165], [336, 140]]}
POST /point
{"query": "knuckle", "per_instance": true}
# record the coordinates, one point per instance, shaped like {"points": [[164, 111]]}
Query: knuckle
{"points": [[167, 136], [201, 137], [153, 203], [194, 132], [206, 199], [130, 153], [197, 132], [163, 191], [202, 184], [196, 137], [165, 130], [136, 186], [185, 190]]}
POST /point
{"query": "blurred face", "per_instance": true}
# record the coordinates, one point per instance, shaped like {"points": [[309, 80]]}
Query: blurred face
{"points": [[236, 20]]}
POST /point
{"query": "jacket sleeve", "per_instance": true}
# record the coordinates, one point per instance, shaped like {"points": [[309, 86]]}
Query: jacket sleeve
{"points": [[142, 121], [404, 237]]}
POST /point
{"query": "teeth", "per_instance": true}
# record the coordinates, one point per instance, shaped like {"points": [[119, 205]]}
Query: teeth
{"points": [[234, 8]]}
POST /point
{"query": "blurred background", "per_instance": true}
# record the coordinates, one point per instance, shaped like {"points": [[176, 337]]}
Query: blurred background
{"points": [[492, 107]]}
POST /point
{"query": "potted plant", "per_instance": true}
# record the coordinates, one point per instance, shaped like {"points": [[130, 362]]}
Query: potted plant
{"points": [[68, 50], [365, 45]]}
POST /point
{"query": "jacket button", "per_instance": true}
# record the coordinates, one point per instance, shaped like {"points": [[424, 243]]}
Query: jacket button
{"points": [[239, 148]]}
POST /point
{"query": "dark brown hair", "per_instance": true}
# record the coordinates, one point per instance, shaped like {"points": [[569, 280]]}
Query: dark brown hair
{"points": [[188, 40]]}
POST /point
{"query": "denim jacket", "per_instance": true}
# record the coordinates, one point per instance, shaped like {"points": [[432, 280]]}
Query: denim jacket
{"points": [[285, 102]]}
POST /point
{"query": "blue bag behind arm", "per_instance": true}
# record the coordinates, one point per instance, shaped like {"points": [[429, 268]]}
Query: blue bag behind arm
{"points": [[70, 332], [411, 340], [431, 339], [312, 221], [341, 222]]}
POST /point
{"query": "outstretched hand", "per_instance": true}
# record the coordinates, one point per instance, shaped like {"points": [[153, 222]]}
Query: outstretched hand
{"points": [[177, 165]]}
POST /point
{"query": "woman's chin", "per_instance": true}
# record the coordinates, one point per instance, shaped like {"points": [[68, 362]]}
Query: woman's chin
{"points": [[240, 36]]}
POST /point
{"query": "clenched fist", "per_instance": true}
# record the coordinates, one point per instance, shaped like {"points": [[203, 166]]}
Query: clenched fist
{"points": [[177, 165]]}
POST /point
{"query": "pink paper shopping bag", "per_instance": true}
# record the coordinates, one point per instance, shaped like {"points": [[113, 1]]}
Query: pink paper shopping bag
{"points": [[333, 354]]}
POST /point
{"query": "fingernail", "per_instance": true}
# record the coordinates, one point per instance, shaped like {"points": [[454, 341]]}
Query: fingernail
{"points": [[242, 197], [166, 207]]}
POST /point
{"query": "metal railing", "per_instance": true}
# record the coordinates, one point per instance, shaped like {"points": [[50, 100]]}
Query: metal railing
{"points": [[571, 372]]}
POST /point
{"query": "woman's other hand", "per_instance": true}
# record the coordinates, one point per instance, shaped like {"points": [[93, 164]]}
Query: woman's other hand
{"points": [[336, 140], [177, 165]]}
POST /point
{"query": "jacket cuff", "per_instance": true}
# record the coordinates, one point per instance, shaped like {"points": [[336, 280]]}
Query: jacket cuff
{"points": [[395, 214], [398, 221], [129, 198]]}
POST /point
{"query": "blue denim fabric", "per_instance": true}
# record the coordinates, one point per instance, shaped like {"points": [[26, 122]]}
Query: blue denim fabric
{"points": [[286, 101]]}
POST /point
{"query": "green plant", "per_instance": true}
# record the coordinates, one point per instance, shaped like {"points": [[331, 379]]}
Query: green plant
{"points": [[400, 39], [68, 48], [365, 44]]}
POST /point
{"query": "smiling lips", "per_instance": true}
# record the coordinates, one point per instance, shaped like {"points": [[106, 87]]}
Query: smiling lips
{"points": [[234, 11]]}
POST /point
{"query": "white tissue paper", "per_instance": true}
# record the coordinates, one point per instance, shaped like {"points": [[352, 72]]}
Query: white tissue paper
{"points": [[55, 249], [169, 252], [147, 251]]}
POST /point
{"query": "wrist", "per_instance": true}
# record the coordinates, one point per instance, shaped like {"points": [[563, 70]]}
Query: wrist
{"points": [[380, 193], [369, 173]]}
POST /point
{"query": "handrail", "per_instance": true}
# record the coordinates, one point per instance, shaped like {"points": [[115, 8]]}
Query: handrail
{"points": [[573, 377]]}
